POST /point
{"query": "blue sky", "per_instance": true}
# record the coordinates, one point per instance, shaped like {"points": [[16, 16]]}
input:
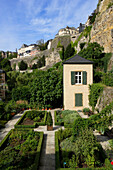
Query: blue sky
{"points": [[26, 21]]}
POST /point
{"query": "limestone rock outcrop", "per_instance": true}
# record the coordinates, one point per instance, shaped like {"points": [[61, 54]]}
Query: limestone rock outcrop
{"points": [[102, 30], [105, 98]]}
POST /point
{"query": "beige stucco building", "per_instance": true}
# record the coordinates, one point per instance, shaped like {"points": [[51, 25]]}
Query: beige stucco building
{"points": [[77, 75]]}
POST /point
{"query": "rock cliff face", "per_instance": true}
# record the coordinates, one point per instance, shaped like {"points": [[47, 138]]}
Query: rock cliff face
{"points": [[64, 40], [102, 30], [52, 57], [110, 64], [105, 98]]}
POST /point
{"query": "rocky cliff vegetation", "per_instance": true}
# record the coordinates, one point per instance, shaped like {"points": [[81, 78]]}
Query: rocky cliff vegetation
{"points": [[105, 98], [102, 30]]}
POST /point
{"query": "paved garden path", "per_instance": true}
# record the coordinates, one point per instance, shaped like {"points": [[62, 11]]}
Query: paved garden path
{"points": [[9, 125], [47, 160]]}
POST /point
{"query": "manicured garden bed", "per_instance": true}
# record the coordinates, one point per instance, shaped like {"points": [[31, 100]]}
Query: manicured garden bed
{"points": [[82, 151], [21, 149], [32, 119], [66, 117]]}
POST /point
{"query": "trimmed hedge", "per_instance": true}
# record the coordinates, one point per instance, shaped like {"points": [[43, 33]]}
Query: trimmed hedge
{"points": [[4, 141], [39, 147], [56, 122], [17, 125], [38, 154], [57, 154]]}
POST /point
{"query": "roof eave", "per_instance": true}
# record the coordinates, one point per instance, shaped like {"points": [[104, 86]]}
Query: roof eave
{"points": [[78, 63]]}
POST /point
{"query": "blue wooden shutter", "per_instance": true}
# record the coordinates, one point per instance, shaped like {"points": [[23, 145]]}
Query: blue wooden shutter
{"points": [[84, 73], [72, 77], [78, 99]]}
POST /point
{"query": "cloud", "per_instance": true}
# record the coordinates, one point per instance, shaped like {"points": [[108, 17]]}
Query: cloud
{"points": [[29, 20], [40, 21]]}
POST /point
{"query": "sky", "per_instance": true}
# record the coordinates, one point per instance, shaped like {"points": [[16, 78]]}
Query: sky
{"points": [[26, 21]]}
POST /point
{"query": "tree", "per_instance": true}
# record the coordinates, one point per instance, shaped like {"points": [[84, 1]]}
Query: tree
{"points": [[22, 65], [6, 65], [21, 93], [93, 51], [41, 44], [69, 52]]}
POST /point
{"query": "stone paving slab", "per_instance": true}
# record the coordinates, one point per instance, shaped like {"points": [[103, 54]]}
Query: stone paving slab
{"points": [[9, 125]]}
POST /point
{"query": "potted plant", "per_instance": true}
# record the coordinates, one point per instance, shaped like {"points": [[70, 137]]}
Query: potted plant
{"points": [[49, 121], [13, 112]]}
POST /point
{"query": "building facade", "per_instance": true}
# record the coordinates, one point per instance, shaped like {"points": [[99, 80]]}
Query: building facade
{"points": [[25, 50], [77, 75]]}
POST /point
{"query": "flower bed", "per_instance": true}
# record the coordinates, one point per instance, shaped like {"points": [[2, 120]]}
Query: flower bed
{"points": [[32, 119], [21, 149], [66, 117], [83, 152]]}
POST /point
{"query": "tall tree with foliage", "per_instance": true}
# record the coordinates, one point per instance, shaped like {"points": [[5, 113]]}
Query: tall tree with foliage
{"points": [[69, 52], [46, 89], [93, 51], [5, 65], [22, 65]]}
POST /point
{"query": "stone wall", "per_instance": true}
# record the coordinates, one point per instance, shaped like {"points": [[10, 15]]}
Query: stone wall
{"points": [[110, 64], [29, 60], [105, 98], [64, 40], [53, 58], [102, 30]]}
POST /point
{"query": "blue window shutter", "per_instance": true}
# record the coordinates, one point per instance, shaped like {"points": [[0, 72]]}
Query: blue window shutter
{"points": [[72, 77], [84, 73], [78, 99]]}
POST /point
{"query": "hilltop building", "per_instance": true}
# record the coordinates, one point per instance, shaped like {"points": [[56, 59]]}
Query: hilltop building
{"points": [[72, 31], [28, 50], [77, 75]]}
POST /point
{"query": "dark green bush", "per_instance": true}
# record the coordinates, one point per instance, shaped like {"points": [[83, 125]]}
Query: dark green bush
{"points": [[86, 110], [49, 119], [22, 65], [107, 79]]}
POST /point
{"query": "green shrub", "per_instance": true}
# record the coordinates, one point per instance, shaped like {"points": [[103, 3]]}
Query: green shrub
{"points": [[111, 143], [109, 5], [107, 79], [36, 119], [57, 154], [86, 110], [105, 61], [82, 45], [49, 119], [22, 65], [11, 105], [95, 91]]}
